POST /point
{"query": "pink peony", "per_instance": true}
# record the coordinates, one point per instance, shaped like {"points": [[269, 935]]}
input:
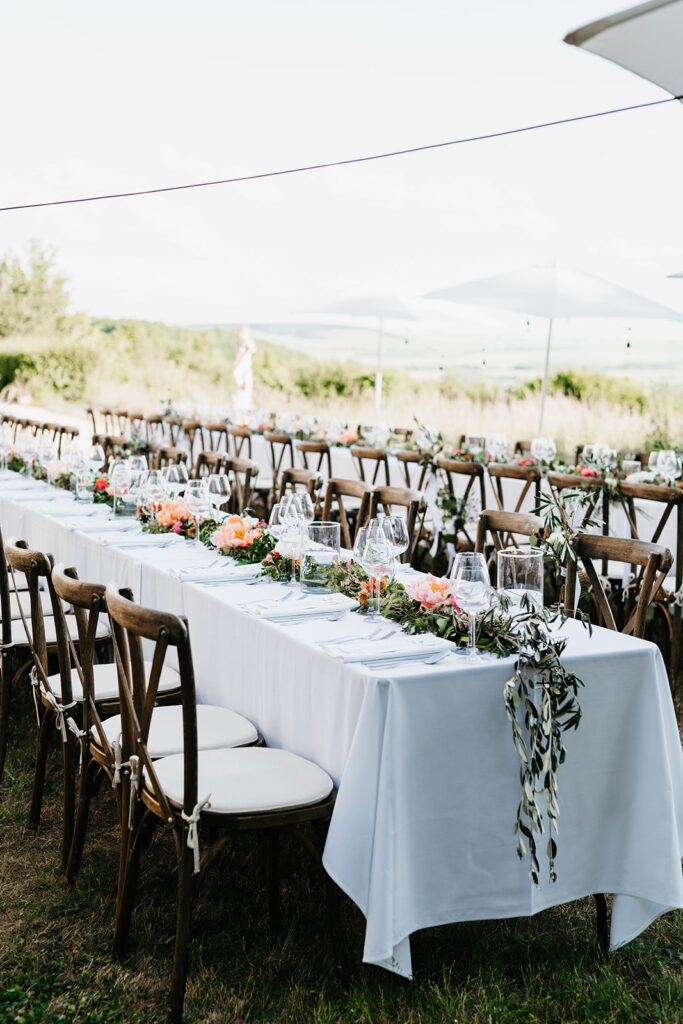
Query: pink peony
{"points": [[236, 532], [431, 592]]}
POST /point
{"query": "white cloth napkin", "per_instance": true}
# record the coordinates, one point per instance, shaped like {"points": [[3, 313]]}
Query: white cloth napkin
{"points": [[277, 608], [218, 574], [106, 526], [142, 540], [398, 647]]}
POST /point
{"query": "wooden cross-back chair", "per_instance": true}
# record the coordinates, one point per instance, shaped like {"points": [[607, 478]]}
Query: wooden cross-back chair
{"points": [[280, 454], [531, 477], [415, 467], [504, 528], [522, 447], [216, 433], [174, 427], [162, 455], [217, 791], [64, 434], [38, 635], [239, 440], [377, 463], [474, 490], [668, 502], [293, 480], [597, 503], [243, 474], [210, 462], [402, 433], [155, 428], [654, 559], [90, 413], [350, 518], [113, 444], [387, 499], [308, 451], [193, 433]]}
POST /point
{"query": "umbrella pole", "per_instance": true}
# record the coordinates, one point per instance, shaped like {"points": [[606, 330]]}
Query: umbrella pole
{"points": [[544, 385], [378, 371]]}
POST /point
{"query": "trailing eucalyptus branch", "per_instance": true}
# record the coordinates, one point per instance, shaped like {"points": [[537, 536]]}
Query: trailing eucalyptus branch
{"points": [[541, 703]]}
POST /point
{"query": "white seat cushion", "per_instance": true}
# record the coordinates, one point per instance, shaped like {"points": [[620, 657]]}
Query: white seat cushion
{"points": [[216, 727], [26, 605], [248, 780], [50, 630], [106, 681]]}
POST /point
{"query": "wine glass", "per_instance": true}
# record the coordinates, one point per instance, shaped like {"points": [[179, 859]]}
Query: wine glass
{"points": [[379, 562], [395, 529], [95, 457], [136, 463], [291, 518], [197, 501], [154, 489], [176, 477], [472, 591], [668, 463], [219, 490], [274, 524]]}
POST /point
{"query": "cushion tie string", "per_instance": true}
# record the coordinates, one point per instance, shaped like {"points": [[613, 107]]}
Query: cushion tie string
{"points": [[193, 832], [35, 686], [118, 763], [59, 710], [677, 598], [134, 764], [631, 584]]}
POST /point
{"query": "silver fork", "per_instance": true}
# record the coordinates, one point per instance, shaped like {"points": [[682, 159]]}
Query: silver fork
{"points": [[433, 659]]}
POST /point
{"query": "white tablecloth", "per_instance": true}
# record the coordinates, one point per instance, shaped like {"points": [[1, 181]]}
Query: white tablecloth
{"points": [[428, 777]]}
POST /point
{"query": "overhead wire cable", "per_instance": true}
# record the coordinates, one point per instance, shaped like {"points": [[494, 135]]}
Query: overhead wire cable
{"points": [[343, 163]]}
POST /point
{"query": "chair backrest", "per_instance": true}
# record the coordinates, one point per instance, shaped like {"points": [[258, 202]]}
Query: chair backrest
{"points": [[169, 455], [671, 498], [653, 559], [473, 472], [131, 626], [241, 438], [415, 467], [194, 435], [377, 459], [531, 475], [174, 425], [243, 476], [521, 447], [390, 498], [88, 602], [504, 529], [209, 462], [335, 492], [216, 431], [113, 444], [300, 480], [309, 450], [34, 566], [280, 454], [402, 433], [155, 427]]}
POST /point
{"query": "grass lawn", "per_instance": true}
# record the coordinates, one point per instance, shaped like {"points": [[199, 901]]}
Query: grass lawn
{"points": [[55, 942]]}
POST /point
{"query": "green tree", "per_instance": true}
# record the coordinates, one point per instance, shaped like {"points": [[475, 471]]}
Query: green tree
{"points": [[33, 296]]}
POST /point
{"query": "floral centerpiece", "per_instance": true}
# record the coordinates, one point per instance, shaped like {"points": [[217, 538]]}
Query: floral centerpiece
{"points": [[244, 538], [169, 516]]}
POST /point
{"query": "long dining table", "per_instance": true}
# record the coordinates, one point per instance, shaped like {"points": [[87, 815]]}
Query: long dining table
{"points": [[422, 754]]}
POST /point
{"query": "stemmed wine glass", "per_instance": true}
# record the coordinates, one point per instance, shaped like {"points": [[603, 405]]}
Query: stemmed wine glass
{"points": [[197, 501], [154, 491], [176, 477], [95, 457], [219, 490], [668, 463], [378, 560], [291, 517], [394, 529], [472, 591]]}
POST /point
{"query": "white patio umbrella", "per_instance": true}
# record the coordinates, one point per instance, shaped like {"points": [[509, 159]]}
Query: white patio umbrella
{"points": [[552, 292], [647, 39], [379, 308]]}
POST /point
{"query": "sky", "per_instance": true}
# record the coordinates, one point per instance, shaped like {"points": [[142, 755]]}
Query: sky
{"points": [[114, 96]]}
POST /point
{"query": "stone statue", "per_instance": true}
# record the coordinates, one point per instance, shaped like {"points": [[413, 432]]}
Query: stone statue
{"points": [[242, 372]]}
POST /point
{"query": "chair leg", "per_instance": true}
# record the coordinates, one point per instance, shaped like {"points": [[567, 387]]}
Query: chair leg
{"points": [[5, 694], [181, 952], [44, 736], [601, 921], [129, 862], [86, 790], [69, 758]]}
